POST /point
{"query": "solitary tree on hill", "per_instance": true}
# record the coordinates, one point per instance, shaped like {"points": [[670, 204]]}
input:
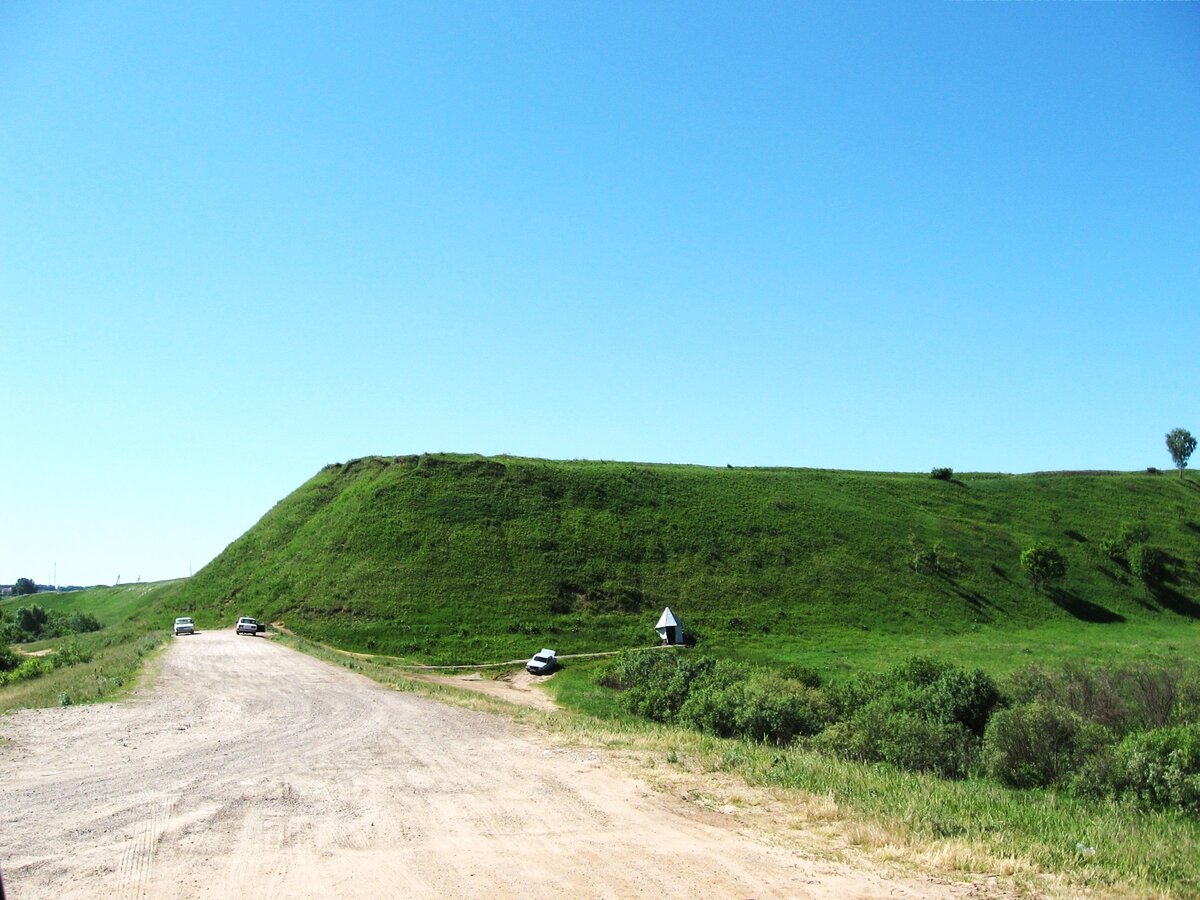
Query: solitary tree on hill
{"points": [[24, 586], [1043, 564], [1181, 444]]}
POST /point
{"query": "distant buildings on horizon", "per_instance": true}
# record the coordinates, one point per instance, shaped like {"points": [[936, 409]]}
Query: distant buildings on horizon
{"points": [[7, 589]]}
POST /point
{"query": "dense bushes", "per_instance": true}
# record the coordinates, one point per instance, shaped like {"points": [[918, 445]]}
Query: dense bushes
{"points": [[718, 697], [1162, 767], [25, 668], [922, 715], [1099, 731], [35, 623], [1038, 744], [8, 659]]}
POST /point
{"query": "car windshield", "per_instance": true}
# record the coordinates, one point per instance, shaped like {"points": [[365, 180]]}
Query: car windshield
{"points": [[183, 621], [540, 658]]}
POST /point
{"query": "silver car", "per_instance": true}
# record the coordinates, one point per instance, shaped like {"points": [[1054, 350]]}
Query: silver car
{"points": [[184, 625]]}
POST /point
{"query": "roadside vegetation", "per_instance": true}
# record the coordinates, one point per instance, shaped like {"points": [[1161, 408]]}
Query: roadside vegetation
{"points": [[1129, 734], [56, 662]]}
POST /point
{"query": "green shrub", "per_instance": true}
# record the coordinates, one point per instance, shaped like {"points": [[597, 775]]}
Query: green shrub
{"points": [[32, 620], [714, 706], [9, 660], [83, 623], [778, 710], [806, 675], [719, 697], [1134, 533], [1118, 548], [965, 697], [1114, 549], [881, 732], [1161, 767], [922, 715], [935, 560], [1037, 745], [1186, 708], [942, 473], [655, 683], [1121, 698], [926, 687], [31, 667], [68, 654], [1149, 564], [1043, 564]]}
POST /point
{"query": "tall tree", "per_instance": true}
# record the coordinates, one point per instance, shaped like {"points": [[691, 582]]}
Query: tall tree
{"points": [[1181, 444], [24, 586]]}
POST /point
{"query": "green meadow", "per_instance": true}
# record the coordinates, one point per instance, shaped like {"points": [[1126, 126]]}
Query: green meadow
{"points": [[455, 559]]}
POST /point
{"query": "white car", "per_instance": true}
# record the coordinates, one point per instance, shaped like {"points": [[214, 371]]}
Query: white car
{"points": [[247, 625], [542, 662], [184, 625]]}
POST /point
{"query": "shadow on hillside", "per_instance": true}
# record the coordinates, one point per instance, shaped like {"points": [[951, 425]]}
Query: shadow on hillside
{"points": [[1169, 598], [1114, 575], [1192, 526], [1084, 610], [976, 599], [996, 570], [1075, 536], [959, 483]]}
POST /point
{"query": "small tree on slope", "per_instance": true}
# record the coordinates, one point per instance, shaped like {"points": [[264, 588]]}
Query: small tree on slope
{"points": [[1181, 444], [1043, 564]]}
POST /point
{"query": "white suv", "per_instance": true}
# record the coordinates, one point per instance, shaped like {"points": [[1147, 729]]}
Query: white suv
{"points": [[247, 625], [184, 625]]}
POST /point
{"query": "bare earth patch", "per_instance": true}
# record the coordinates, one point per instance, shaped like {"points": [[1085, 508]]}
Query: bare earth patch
{"points": [[251, 770], [513, 687]]}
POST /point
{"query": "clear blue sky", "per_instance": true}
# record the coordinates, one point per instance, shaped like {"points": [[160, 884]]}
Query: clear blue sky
{"points": [[242, 240]]}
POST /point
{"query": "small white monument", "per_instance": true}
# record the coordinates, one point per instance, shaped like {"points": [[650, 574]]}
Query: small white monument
{"points": [[668, 628]]}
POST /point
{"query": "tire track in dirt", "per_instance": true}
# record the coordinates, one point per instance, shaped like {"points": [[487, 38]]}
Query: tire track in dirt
{"points": [[137, 860]]}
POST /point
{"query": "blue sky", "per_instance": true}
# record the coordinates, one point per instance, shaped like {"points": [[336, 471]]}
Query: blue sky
{"points": [[240, 241]]}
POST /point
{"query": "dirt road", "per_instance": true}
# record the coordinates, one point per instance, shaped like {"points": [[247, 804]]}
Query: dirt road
{"points": [[250, 770]]}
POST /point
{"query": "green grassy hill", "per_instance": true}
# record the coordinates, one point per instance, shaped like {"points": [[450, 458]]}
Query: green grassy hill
{"points": [[466, 559]]}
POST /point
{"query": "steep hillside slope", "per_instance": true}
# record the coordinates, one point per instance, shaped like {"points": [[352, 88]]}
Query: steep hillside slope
{"points": [[458, 558]]}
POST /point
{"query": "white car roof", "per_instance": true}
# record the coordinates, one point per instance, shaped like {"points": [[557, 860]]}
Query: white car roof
{"points": [[545, 652]]}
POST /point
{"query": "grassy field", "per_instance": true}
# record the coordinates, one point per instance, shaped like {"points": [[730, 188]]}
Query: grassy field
{"points": [[461, 559], [457, 559]]}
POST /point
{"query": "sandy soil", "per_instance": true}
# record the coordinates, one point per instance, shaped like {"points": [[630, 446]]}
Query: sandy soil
{"points": [[251, 770], [513, 687]]}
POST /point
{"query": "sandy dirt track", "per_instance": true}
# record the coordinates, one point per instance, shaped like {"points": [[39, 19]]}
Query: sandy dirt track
{"points": [[251, 770]]}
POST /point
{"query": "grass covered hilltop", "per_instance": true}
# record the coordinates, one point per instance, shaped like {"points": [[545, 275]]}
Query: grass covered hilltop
{"points": [[869, 643], [462, 559]]}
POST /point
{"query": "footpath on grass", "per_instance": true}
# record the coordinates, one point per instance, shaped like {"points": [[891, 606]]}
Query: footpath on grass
{"points": [[279, 626]]}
